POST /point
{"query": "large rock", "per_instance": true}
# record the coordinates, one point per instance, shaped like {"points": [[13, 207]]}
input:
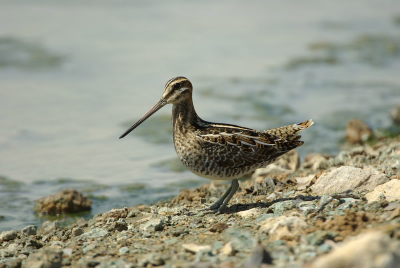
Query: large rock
{"points": [[357, 131], [391, 191], [348, 178], [368, 250], [67, 201]]}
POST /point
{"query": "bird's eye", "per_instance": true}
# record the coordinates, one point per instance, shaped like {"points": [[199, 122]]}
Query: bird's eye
{"points": [[177, 85]]}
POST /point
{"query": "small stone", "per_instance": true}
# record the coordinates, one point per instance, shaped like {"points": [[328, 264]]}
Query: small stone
{"points": [[82, 223], [8, 235], [95, 233], [263, 217], [48, 257], [29, 230], [390, 190], [260, 256], [288, 228], [178, 231], [324, 248], [88, 248], [77, 232], [251, 213], [153, 225], [241, 239], [67, 251], [49, 227], [120, 225], [396, 165], [281, 207], [304, 182], [218, 227], [123, 250], [395, 214], [319, 237], [228, 249], [172, 241], [196, 248]]}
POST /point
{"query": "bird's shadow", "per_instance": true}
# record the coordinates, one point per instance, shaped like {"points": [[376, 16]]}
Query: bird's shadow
{"points": [[243, 207]]}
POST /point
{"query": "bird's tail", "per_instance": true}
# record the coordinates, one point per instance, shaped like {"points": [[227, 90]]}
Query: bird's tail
{"points": [[290, 133]]}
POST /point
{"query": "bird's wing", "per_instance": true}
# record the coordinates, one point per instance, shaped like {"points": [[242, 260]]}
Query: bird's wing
{"points": [[234, 146]]}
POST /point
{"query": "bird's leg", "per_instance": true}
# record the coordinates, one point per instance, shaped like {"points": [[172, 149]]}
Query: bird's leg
{"points": [[223, 201], [235, 187]]}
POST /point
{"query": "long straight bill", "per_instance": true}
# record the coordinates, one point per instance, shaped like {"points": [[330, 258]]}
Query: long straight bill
{"points": [[156, 107]]}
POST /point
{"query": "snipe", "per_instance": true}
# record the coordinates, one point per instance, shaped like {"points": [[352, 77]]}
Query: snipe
{"points": [[220, 151]]}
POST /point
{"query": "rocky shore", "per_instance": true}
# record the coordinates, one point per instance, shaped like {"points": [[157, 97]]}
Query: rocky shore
{"points": [[331, 211]]}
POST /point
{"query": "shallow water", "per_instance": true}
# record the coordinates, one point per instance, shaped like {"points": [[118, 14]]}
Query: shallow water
{"points": [[74, 76]]}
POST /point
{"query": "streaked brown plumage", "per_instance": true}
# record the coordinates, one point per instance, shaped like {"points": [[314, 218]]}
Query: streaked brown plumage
{"points": [[220, 151]]}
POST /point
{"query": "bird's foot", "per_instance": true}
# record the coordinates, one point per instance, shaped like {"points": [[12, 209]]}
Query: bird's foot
{"points": [[216, 206]]}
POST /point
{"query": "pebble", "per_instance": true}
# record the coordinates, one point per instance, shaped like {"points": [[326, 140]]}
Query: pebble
{"points": [[218, 227], [77, 232], [228, 249], [281, 207], [8, 235], [67, 251], [123, 250], [153, 225], [241, 239], [396, 165], [318, 237], [95, 233], [196, 248], [288, 228], [29, 230], [88, 248], [324, 248], [251, 213], [259, 256]]}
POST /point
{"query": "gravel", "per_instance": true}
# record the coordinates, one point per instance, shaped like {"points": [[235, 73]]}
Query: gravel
{"points": [[296, 224]]}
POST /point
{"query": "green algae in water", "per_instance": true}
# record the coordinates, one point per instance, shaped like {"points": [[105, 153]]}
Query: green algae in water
{"points": [[311, 60], [26, 55], [376, 50], [132, 187], [7, 185]]}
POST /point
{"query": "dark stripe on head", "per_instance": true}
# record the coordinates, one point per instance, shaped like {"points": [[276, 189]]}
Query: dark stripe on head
{"points": [[175, 79]]}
